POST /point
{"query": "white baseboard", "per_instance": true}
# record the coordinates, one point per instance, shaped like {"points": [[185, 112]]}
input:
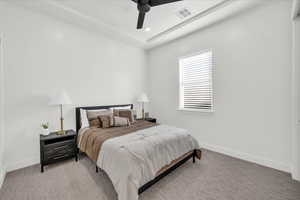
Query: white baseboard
{"points": [[230, 152], [248, 157], [296, 177], [295, 174], [2, 176], [22, 164]]}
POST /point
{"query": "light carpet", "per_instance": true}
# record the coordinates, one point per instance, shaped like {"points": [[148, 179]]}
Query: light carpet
{"points": [[215, 177]]}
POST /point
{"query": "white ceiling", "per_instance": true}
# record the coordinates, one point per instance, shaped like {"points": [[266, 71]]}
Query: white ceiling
{"points": [[122, 14], [118, 18]]}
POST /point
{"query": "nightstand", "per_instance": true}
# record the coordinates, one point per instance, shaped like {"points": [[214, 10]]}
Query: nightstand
{"points": [[55, 148], [149, 119], [153, 120]]}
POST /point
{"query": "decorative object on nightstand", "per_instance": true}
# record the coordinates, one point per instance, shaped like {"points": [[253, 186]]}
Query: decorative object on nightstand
{"points": [[45, 128], [55, 147], [143, 98], [61, 99]]}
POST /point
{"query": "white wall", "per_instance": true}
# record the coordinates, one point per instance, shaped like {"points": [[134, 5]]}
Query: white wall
{"points": [[296, 138], [251, 81], [252, 118], [2, 168], [42, 56]]}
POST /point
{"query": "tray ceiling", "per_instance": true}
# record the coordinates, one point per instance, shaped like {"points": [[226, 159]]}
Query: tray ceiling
{"points": [[122, 14], [118, 18]]}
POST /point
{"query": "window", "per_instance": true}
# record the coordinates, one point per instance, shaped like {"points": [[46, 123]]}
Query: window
{"points": [[196, 82]]}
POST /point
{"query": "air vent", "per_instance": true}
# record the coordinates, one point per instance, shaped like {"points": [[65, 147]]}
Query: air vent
{"points": [[183, 13]]}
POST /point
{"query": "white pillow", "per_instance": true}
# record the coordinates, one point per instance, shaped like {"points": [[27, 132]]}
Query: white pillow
{"points": [[84, 119], [121, 108]]}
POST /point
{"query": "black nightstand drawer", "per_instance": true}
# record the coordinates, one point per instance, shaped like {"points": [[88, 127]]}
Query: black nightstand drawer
{"points": [[59, 151], [59, 145], [58, 158]]}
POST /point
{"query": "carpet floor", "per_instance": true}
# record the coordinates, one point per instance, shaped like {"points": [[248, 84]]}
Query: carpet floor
{"points": [[215, 177]]}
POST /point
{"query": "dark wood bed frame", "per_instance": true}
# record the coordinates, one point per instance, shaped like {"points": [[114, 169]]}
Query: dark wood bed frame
{"points": [[160, 176]]}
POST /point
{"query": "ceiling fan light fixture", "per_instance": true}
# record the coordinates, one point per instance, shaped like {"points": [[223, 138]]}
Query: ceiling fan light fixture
{"points": [[143, 8]]}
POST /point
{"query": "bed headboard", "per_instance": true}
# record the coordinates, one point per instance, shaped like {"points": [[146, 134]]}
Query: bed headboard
{"points": [[78, 117]]}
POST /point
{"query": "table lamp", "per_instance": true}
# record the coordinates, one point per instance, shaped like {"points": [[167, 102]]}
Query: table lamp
{"points": [[143, 98], [62, 98]]}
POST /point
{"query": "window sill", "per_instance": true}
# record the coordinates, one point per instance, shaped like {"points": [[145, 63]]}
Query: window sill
{"points": [[196, 110]]}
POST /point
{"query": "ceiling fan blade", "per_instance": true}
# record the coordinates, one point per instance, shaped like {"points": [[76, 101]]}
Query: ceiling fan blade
{"points": [[160, 2], [141, 19]]}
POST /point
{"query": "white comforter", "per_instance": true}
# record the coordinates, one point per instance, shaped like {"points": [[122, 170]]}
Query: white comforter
{"points": [[134, 159]]}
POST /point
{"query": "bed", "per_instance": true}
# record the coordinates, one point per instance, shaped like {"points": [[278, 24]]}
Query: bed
{"points": [[138, 156]]}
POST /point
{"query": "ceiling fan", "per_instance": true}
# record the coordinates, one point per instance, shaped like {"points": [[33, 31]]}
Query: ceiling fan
{"points": [[144, 6]]}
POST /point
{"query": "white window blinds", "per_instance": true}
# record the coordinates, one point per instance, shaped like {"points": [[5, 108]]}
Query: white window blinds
{"points": [[196, 82]]}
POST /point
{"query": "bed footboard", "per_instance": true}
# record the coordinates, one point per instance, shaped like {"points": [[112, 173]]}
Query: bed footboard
{"points": [[194, 155]]}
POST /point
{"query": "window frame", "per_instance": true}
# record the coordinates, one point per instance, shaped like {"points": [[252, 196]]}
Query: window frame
{"points": [[180, 90]]}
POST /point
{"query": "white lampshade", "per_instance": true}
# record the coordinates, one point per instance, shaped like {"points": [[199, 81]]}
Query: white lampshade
{"points": [[143, 98], [62, 98]]}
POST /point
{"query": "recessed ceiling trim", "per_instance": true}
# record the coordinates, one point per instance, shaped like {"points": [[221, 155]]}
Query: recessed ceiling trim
{"points": [[213, 14], [70, 15], [231, 9], [105, 28], [192, 19]]}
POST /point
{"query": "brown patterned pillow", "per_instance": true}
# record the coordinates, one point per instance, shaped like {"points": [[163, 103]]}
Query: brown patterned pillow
{"points": [[128, 114], [105, 121], [95, 123], [116, 112], [94, 114]]}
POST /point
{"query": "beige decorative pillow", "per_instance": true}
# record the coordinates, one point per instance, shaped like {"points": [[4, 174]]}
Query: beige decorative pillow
{"points": [[128, 114], [105, 121], [116, 112], [121, 121], [94, 114], [95, 123]]}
